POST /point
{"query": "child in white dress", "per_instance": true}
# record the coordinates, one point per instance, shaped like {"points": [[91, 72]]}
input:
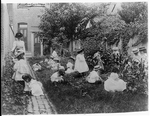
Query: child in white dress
{"points": [[93, 76], [80, 63], [57, 66], [114, 83], [70, 65], [57, 76], [34, 85], [20, 68]]}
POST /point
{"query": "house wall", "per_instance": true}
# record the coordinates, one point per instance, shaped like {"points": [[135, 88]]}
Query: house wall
{"points": [[29, 15], [7, 36]]}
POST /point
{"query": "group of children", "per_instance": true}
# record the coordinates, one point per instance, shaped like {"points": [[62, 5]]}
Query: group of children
{"points": [[113, 83]]}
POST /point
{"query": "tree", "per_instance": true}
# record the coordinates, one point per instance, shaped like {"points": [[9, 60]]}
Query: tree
{"points": [[135, 15], [67, 21]]}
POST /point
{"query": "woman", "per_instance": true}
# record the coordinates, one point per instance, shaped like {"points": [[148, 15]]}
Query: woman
{"points": [[18, 45], [80, 63]]}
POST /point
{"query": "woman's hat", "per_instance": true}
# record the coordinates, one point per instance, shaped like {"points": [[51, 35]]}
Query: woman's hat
{"points": [[135, 50], [18, 35], [71, 57], [80, 50], [97, 67], [19, 53], [142, 48], [115, 48]]}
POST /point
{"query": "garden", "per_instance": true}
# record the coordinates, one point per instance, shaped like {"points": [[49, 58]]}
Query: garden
{"points": [[76, 96], [63, 23]]}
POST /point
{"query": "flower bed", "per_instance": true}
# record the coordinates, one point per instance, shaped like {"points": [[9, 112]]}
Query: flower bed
{"points": [[77, 96], [12, 102]]}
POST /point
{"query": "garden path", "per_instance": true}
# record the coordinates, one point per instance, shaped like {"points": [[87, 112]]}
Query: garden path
{"points": [[40, 104]]}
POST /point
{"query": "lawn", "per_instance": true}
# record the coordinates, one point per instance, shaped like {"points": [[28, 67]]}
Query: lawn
{"points": [[89, 98]]}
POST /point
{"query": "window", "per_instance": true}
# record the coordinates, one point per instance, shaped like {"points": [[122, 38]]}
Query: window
{"points": [[22, 27]]}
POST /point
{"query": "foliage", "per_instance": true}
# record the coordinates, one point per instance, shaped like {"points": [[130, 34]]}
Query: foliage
{"points": [[132, 12], [136, 16], [134, 74], [12, 101], [64, 22]]}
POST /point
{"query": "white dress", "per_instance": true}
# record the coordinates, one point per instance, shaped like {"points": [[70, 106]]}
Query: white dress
{"points": [[18, 45], [93, 77], [54, 54], [80, 64], [20, 68], [69, 68], [56, 78], [113, 83], [35, 87]]}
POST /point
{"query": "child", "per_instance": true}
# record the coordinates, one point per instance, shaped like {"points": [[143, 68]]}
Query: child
{"points": [[51, 62], [57, 76], [34, 86], [20, 68], [70, 66], [93, 76], [56, 66], [114, 83], [80, 63]]}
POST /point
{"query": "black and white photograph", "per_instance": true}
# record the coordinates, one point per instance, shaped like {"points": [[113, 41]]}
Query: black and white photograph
{"points": [[74, 57]]}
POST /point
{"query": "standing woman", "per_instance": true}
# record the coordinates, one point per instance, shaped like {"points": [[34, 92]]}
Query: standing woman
{"points": [[80, 63], [18, 45]]}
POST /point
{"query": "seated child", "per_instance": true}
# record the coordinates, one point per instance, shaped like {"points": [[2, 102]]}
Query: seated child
{"points": [[51, 62], [57, 76], [69, 68], [93, 76], [34, 86], [57, 65], [114, 83]]}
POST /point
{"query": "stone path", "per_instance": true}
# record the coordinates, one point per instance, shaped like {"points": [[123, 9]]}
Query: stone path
{"points": [[40, 104]]}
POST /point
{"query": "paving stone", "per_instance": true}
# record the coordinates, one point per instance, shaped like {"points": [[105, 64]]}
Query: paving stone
{"points": [[40, 102], [38, 97], [36, 112], [42, 97], [34, 101], [30, 109], [41, 107], [49, 111]]}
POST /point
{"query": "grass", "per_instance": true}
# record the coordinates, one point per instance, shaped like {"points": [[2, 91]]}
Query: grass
{"points": [[89, 98]]}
